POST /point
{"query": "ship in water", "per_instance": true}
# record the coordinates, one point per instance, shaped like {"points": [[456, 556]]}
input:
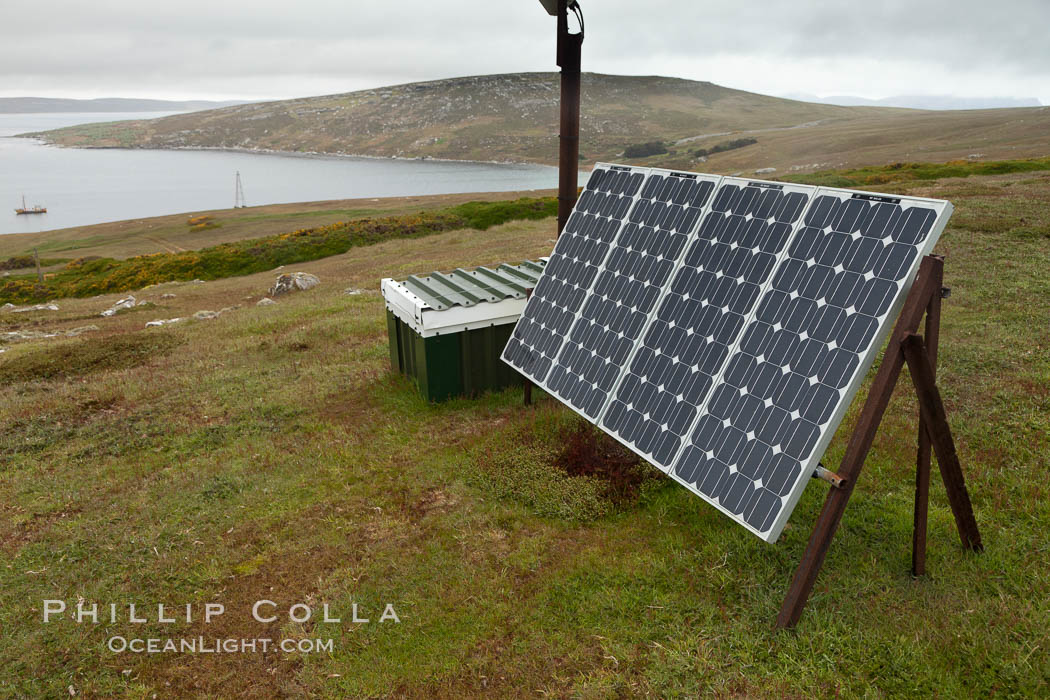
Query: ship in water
{"points": [[30, 210]]}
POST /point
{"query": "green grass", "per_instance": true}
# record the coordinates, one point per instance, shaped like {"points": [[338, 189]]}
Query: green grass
{"points": [[343, 213], [272, 454], [90, 276], [898, 172], [69, 360]]}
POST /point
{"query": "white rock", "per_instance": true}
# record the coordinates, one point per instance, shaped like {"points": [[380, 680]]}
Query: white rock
{"points": [[204, 315], [38, 307], [350, 291], [168, 295], [11, 336], [7, 307], [125, 303], [161, 322], [765, 171], [294, 282], [265, 301]]}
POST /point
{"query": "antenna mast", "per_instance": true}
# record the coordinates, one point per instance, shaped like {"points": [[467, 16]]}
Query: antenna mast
{"points": [[238, 194]]}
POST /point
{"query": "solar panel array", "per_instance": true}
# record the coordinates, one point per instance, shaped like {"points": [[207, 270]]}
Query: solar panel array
{"points": [[720, 326]]}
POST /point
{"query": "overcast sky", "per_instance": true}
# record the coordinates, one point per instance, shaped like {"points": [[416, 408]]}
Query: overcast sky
{"points": [[219, 49]]}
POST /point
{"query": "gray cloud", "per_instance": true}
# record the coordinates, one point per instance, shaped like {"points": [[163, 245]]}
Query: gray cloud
{"points": [[247, 49]]}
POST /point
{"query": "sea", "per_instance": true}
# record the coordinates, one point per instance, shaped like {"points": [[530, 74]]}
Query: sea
{"points": [[90, 186]]}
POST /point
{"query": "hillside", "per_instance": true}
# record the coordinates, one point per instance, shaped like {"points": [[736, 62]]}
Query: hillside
{"points": [[494, 117], [42, 105], [511, 117], [921, 101], [514, 117], [270, 454]]}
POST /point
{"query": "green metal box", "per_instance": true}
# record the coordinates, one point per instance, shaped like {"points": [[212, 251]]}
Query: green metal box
{"points": [[447, 331]]}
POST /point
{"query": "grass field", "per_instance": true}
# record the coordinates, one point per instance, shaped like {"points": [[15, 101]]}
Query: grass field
{"points": [[86, 277], [173, 234], [270, 454]]}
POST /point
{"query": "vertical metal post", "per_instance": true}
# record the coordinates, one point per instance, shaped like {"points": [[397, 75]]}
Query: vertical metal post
{"points": [[569, 49], [39, 273], [922, 459]]}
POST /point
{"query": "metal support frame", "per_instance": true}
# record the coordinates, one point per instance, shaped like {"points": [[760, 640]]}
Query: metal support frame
{"points": [[904, 347], [528, 382], [922, 457]]}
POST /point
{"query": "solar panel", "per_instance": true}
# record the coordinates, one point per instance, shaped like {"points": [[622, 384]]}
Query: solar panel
{"points": [[727, 324]]}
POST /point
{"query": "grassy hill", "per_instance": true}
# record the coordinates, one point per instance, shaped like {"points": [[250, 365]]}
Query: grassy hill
{"points": [[270, 454], [515, 117]]}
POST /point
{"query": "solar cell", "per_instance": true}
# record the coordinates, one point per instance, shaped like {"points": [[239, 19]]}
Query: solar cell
{"points": [[719, 327]]}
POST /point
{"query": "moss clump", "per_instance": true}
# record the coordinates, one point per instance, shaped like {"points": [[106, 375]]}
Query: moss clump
{"points": [[559, 466], [527, 474]]}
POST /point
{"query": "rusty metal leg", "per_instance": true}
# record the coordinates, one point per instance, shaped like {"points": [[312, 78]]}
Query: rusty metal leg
{"points": [[922, 458], [922, 504], [926, 284], [940, 434]]}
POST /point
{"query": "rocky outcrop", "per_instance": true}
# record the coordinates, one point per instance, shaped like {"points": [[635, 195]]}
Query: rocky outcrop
{"points": [[294, 282]]}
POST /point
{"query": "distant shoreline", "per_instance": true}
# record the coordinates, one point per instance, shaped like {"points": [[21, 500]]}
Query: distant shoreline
{"points": [[36, 135]]}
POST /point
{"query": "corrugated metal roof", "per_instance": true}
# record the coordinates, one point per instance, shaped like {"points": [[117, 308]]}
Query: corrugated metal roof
{"points": [[440, 290]]}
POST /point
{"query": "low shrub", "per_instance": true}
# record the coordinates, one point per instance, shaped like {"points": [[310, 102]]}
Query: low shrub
{"points": [[724, 146], [643, 150], [17, 262], [22, 262]]}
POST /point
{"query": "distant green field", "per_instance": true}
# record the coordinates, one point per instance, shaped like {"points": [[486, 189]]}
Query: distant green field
{"points": [[904, 172], [91, 276]]}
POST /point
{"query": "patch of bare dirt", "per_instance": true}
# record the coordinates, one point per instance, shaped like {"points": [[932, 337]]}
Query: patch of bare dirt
{"points": [[586, 451]]}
